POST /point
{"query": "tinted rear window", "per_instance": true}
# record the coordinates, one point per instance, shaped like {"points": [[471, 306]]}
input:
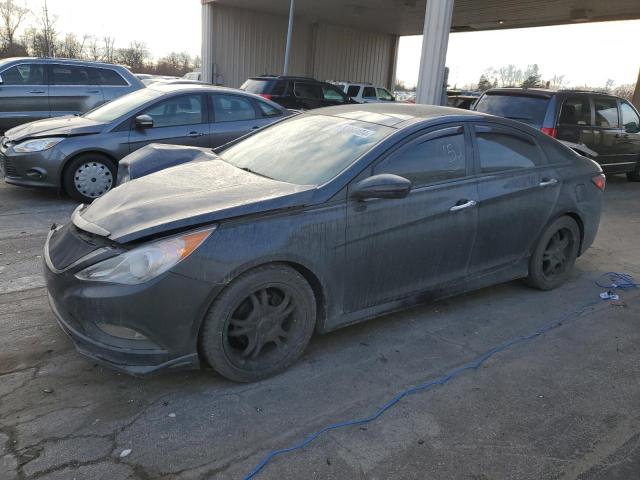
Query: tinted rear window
{"points": [[272, 87], [524, 108]]}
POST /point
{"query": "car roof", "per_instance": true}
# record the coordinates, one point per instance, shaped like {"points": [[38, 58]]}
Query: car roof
{"points": [[61, 59], [544, 92], [398, 115]]}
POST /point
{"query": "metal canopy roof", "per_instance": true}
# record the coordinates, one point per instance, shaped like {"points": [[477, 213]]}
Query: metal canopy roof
{"points": [[406, 17]]}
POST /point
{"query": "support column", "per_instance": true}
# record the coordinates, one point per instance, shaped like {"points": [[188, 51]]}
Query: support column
{"points": [[435, 38], [393, 63], [206, 53], [636, 94], [287, 50]]}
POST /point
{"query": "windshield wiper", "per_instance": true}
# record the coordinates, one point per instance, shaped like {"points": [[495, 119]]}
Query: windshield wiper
{"points": [[247, 169]]}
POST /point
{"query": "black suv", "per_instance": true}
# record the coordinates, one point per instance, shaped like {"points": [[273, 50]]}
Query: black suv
{"points": [[606, 124], [301, 93]]}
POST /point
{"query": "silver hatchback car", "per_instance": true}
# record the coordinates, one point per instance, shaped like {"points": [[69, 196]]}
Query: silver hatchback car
{"points": [[36, 88], [80, 154]]}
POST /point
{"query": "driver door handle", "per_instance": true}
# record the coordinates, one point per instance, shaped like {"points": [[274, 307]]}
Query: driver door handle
{"points": [[462, 206], [546, 182], [36, 91], [194, 134]]}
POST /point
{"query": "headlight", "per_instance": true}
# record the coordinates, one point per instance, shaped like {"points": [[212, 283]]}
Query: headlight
{"points": [[37, 145], [143, 263]]}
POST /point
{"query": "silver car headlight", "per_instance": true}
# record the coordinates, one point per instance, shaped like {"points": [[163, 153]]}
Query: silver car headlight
{"points": [[37, 144], [143, 263]]}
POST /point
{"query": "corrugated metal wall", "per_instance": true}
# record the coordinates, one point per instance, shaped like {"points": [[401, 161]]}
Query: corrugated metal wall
{"points": [[248, 43]]}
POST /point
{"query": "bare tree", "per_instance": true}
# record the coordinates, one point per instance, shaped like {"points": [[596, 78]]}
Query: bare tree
{"points": [[94, 52], [48, 33], [109, 49], [71, 46], [135, 56], [11, 16]]}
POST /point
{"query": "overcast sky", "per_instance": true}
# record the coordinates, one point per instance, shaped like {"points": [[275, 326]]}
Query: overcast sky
{"points": [[586, 53]]}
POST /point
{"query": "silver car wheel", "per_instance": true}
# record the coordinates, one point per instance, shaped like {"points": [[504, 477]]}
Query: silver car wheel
{"points": [[93, 179]]}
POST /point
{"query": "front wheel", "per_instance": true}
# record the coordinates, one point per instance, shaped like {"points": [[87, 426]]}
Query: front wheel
{"points": [[554, 255], [260, 324], [89, 176]]}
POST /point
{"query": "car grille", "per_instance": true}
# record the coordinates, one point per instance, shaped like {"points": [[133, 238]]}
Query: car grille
{"points": [[8, 167], [67, 245]]}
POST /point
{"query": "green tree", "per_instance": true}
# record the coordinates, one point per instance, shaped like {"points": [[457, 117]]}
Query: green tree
{"points": [[484, 83], [532, 77]]}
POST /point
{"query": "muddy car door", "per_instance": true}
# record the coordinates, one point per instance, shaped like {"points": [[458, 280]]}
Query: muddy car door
{"points": [[517, 191], [396, 247]]}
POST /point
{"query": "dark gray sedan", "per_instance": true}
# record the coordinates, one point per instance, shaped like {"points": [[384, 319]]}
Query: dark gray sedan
{"points": [[322, 220], [80, 154]]}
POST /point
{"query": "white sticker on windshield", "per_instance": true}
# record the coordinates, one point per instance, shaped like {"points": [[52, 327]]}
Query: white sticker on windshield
{"points": [[357, 131]]}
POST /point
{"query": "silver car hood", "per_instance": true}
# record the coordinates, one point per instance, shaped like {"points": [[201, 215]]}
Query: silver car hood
{"points": [[54, 127], [183, 196]]}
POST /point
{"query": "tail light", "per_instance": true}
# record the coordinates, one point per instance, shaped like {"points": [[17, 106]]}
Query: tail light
{"points": [[265, 95], [552, 132], [599, 181]]}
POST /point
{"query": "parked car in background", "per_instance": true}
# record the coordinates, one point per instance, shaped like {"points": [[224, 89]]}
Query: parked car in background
{"points": [[195, 75], [148, 78], [299, 93], [606, 124], [36, 88], [80, 154], [462, 98], [365, 92], [319, 221]]}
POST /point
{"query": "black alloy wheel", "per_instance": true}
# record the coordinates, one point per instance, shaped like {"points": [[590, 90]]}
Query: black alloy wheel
{"points": [[555, 254], [260, 324]]}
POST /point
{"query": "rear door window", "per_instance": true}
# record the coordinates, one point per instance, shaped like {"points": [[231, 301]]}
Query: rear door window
{"points": [[258, 86], [70, 75], [436, 157], [576, 111], [232, 108], [525, 108], [307, 90], [369, 92], [606, 110], [111, 78], [501, 151], [630, 120], [24, 74]]}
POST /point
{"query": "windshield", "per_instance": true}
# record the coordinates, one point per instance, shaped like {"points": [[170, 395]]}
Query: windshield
{"points": [[528, 109], [114, 109], [306, 150]]}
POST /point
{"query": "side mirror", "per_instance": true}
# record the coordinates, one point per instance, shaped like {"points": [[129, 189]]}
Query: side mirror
{"points": [[144, 121], [384, 185]]}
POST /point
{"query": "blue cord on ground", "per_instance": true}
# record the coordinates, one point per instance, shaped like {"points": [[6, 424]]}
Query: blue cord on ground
{"points": [[618, 280]]}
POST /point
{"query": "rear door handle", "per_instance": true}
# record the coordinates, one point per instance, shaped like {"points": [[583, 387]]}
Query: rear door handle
{"points": [[194, 134], [255, 128], [93, 91], [546, 182], [36, 91], [462, 206]]}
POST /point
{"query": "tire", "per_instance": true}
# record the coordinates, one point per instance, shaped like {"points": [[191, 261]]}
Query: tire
{"points": [[93, 171], [635, 175], [554, 255], [244, 346]]}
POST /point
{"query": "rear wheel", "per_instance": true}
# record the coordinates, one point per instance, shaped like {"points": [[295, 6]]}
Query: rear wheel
{"points": [[260, 324], [635, 175], [89, 176], [554, 255]]}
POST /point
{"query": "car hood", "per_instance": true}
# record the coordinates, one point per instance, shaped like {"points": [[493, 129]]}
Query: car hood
{"points": [[66, 126], [185, 196]]}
